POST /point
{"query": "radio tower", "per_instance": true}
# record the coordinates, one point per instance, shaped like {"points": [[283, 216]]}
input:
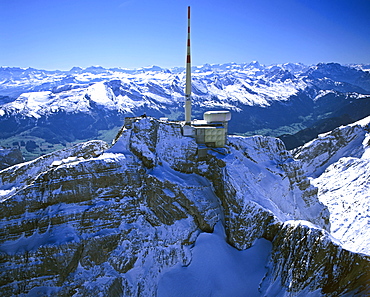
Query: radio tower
{"points": [[188, 77]]}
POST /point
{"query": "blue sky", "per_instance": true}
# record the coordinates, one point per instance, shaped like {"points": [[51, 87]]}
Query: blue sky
{"points": [[60, 34]]}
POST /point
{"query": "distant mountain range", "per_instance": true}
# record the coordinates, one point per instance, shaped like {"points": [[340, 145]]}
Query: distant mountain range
{"points": [[41, 111]]}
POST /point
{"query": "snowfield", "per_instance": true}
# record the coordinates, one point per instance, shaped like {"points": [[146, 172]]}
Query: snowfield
{"points": [[345, 189], [217, 269]]}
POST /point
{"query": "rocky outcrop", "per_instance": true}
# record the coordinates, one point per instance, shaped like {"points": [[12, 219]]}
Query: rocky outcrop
{"points": [[9, 157], [87, 221], [260, 183], [328, 148], [308, 261], [111, 219]]}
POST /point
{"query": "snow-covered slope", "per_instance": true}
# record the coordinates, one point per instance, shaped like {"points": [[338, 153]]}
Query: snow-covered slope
{"points": [[157, 89], [339, 161], [141, 217], [217, 86]]}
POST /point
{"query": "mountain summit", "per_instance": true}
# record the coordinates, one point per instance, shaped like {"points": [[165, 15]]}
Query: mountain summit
{"points": [[148, 216]]}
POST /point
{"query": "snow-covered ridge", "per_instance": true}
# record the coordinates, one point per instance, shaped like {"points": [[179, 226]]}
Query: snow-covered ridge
{"points": [[339, 162], [228, 86]]}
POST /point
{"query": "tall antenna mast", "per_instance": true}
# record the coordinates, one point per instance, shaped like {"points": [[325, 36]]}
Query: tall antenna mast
{"points": [[188, 77]]}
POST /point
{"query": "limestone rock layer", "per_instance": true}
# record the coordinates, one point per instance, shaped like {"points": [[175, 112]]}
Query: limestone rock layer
{"points": [[93, 220]]}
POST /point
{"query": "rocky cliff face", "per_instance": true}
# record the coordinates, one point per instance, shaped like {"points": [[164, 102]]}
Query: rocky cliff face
{"points": [[309, 262], [91, 220], [9, 157], [328, 148]]}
